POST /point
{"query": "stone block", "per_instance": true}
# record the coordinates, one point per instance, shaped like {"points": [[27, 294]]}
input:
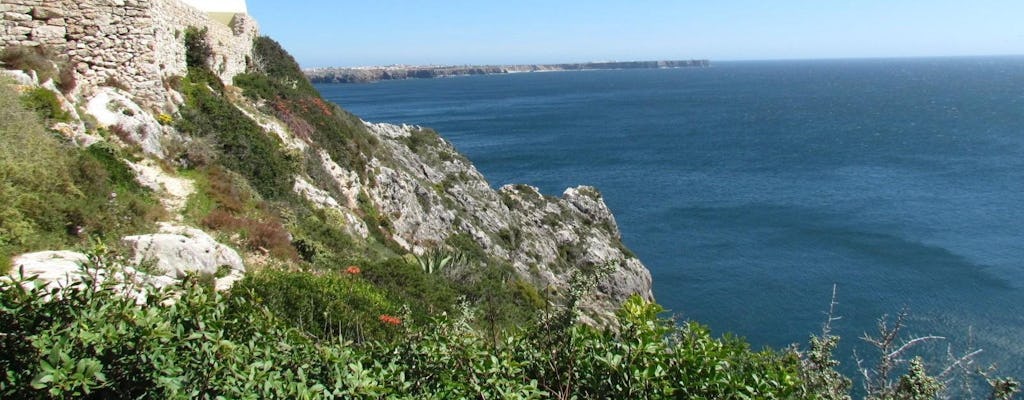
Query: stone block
{"points": [[20, 31], [49, 33], [15, 8], [46, 13], [14, 16]]}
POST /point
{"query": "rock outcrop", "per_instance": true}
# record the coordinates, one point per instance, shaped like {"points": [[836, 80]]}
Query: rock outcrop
{"points": [[57, 269], [176, 251], [431, 194]]}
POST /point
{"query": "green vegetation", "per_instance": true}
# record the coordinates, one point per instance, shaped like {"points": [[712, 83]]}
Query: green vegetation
{"points": [[338, 335], [330, 315], [44, 103], [94, 343], [242, 145], [328, 305], [197, 48], [276, 78], [54, 194]]}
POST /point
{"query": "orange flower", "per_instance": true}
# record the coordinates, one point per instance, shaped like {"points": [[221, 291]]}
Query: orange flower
{"points": [[352, 269], [390, 320]]}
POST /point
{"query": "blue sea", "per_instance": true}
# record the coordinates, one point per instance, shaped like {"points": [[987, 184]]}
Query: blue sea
{"points": [[751, 188]]}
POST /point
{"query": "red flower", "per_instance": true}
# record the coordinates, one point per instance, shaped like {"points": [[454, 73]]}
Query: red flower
{"points": [[390, 320], [353, 270]]}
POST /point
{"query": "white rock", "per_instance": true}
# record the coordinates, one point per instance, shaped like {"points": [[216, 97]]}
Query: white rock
{"points": [[314, 194], [111, 108], [178, 250], [20, 77], [56, 268]]}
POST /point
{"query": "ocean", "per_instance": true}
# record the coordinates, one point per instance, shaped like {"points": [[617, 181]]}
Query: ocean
{"points": [[751, 188]]}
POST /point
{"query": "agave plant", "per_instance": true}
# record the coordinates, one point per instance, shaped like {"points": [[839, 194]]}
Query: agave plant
{"points": [[436, 260]]}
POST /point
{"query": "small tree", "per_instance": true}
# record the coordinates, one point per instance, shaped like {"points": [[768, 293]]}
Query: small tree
{"points": [[197, 49]]}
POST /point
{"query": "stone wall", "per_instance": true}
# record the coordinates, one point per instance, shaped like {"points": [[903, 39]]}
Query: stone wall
{"points": [[138, 44]]}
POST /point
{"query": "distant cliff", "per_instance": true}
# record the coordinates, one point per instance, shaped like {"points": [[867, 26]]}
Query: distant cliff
{"points": [[373, 74]]}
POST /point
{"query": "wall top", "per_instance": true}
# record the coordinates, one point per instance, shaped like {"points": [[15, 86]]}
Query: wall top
{"points": [[219, 6]]}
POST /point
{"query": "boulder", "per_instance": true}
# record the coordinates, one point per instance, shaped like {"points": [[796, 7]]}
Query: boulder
{"points": [[178, 250], [56, 269]]}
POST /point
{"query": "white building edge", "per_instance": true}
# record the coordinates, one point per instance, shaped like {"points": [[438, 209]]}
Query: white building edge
{"points": [[219, 6]]}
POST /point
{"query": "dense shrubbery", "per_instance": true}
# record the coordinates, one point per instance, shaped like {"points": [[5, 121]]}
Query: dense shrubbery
{"points": [[276, 79], [45, 103], [91, 342], [329, 305], [286, 335], [244, 146]]}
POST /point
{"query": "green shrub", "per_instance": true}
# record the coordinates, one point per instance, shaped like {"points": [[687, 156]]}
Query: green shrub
{"points": [[45, 103], [421, 139], [89, 341], [276, 78], [242, 144], [197, 48], [328, 305], [427, 295], [56, 195]]}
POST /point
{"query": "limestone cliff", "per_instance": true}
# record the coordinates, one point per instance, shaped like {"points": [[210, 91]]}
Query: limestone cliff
{"points": [[402, 187]]}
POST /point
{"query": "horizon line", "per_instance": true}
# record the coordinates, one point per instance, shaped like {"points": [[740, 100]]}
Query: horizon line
{"points": [[827, 58]]}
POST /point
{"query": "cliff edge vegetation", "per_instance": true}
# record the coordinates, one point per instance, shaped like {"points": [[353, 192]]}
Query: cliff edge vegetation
{"points": [[247, 239]]}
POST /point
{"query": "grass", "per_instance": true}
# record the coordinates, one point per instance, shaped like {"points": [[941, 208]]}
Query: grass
{"points": [[55, 195]]}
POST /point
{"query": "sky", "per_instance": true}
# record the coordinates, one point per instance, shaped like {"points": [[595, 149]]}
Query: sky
{"points": [[322, 33]]}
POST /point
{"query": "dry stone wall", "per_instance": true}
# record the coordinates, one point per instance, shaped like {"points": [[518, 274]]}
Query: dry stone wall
{"points": [[139, 44]]}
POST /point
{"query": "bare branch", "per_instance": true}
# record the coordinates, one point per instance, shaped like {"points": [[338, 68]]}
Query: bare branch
{"points": [[962, 362], [827, 328], [912, 343]]}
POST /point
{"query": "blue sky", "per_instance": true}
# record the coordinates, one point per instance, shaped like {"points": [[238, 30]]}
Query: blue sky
{"points": [[383, 32]]}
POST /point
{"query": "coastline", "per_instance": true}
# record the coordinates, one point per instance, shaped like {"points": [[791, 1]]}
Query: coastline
{"points": [[374, 74]]}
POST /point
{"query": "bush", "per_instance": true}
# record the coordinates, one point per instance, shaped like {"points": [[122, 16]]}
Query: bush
{"points": [[54, 194], [276, 78], [268, 236], [427, 295], [197, 48], [45, 103], [327, 305], [43, 62], [90, 341], [243, 145]]}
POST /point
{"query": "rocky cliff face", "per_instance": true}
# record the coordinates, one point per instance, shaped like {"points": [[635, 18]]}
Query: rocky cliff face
{"points": [[432, 194], [413, 190]]}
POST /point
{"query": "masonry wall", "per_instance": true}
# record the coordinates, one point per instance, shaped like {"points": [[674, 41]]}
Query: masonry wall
{"points": [[137, 43]]}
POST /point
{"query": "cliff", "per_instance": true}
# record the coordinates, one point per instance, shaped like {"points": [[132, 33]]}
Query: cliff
{"points": [[373, 74], [269, 169]]}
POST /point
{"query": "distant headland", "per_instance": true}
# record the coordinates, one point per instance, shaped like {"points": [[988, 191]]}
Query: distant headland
{"points": [[373, 74]]}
